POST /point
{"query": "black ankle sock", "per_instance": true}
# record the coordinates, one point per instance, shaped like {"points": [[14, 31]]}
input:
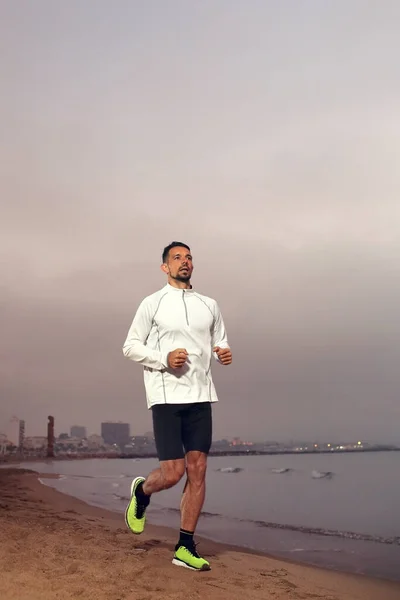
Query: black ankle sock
{"points": [[185, 538], [142, 498]]}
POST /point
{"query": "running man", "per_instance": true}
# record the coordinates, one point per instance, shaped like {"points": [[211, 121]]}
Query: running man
{"points": [[174, 335]]}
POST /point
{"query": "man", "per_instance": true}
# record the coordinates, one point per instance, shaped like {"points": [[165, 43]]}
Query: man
{"points": [[174, 335]]}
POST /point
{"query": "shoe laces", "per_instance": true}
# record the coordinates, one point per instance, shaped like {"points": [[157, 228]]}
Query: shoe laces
{"points": [[140, 508], [192, 548]]}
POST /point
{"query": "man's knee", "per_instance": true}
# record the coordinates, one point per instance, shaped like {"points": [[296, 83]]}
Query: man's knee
{"points": [[173, 473], [196, 466]]}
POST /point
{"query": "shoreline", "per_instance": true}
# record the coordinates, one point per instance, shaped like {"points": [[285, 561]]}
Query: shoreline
{"points": [[54, 543], [342, 551]]}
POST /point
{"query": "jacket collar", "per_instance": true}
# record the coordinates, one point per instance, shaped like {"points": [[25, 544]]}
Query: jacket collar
{"points": [[171, 288]]}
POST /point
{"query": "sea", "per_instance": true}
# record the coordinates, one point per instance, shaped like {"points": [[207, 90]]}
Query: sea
{"points": [[338, 511]]}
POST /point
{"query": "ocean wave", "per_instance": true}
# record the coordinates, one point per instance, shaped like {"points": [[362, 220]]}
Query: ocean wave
{"points": [[394, 540], [280, 471], [366, 537], [230, 470], [321, 474], [122, 498]]}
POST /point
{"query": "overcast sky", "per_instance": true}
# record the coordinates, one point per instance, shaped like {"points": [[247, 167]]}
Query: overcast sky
{"points": [[266, 135]]}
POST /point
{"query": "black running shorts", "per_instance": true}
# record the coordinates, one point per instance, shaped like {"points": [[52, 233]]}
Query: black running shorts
{"points": [[181, 428]]}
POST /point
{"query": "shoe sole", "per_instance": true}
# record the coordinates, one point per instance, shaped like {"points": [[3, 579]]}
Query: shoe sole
{"points": [[133, 484], [180, 563]]}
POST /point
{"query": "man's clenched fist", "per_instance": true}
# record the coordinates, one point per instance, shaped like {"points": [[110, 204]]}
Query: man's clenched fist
{"points": [[224, 355], [177, 358]]}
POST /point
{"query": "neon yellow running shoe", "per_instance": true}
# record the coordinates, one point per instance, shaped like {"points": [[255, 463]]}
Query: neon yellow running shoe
{"points": [[189, 558], [135, 517]]}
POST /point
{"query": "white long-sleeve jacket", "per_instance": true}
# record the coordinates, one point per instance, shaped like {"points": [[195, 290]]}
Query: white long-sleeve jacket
{"points": [[169, 319]]}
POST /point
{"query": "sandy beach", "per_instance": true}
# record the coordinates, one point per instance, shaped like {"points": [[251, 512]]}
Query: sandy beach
{"points": [[54, 546]]}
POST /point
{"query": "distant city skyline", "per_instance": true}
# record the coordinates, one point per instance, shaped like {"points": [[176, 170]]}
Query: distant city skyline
{"points": [[317, 440]]}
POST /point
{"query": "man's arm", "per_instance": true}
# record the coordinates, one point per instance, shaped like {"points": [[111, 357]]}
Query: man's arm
{"points": [[135, 344], [220, 344]]}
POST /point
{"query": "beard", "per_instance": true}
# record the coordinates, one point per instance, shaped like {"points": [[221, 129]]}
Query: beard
{"points": [[184, 277]]}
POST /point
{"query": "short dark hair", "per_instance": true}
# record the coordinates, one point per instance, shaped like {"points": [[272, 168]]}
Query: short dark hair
{"points": [[170, 246]]}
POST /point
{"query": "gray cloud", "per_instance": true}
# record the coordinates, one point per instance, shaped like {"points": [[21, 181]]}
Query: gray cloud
{"points": [[265, 138]]}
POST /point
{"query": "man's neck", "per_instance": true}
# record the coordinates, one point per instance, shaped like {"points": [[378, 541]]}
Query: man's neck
{"points": [[181, 285]]}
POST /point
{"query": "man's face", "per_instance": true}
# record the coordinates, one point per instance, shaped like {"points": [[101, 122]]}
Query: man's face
{"points": [[179, 264]]}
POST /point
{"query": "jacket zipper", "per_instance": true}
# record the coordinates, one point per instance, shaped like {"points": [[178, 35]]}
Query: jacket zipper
{"points": [[184, 304]]}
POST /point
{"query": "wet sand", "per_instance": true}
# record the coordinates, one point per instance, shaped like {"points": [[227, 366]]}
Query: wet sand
{"points": [[53, 546]]}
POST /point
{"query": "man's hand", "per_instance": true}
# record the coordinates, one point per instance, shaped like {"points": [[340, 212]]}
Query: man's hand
{"points": [[177, 358], [224, 355]]}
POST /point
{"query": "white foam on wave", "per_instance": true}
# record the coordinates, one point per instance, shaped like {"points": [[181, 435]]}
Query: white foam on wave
{"points": [[230, 470]]}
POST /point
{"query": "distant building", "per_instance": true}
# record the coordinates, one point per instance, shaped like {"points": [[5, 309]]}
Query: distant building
{"points": [[222, 445], [115, 433], [95, 442], [36, 442], [3, 443], [77, 431], [71, 444], [142, 443], [13, 431]]}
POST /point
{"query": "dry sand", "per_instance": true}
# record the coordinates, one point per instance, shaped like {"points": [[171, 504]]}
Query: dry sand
{"points": [[53, 546]]}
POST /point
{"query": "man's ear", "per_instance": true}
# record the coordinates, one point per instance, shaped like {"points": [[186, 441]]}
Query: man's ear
{"points": [[164, 268]]}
